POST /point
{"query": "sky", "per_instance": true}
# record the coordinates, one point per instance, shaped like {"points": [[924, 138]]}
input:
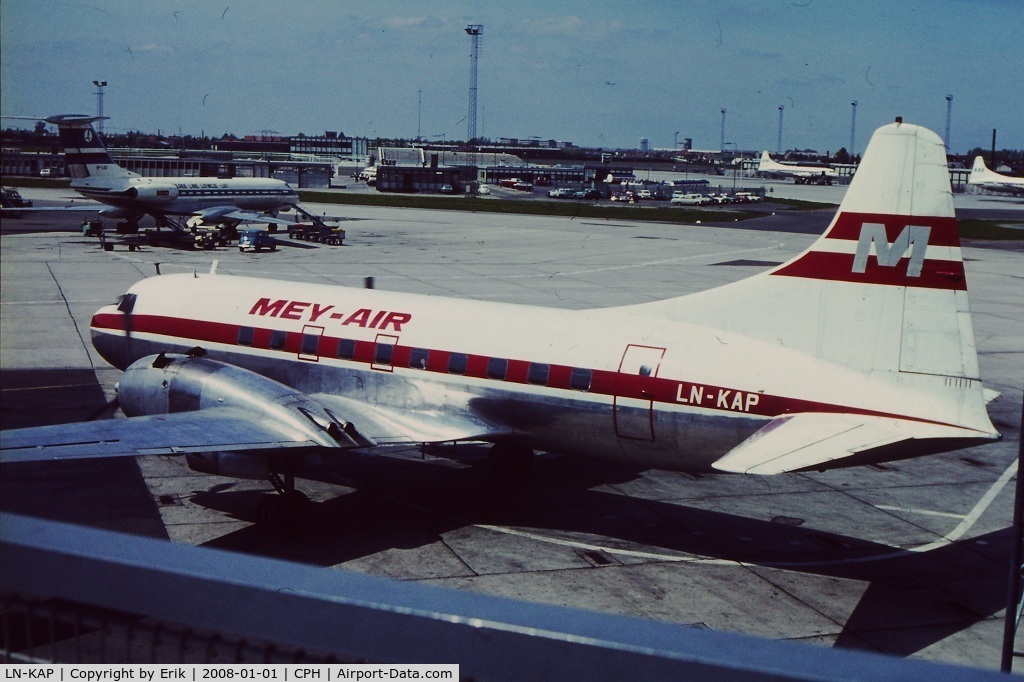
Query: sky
{"points": [[595, 73]]}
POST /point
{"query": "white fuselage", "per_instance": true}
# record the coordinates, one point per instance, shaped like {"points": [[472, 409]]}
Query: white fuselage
{"points": [[601, 382], [187, 196]]}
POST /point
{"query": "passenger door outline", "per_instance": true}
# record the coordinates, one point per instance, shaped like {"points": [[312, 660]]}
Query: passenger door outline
{"points": [[632, 408]]}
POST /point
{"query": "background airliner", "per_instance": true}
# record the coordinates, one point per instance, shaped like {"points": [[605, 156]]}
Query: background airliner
{"points": [[801, 174], [856, 351], [982, 176], [130, 196]]}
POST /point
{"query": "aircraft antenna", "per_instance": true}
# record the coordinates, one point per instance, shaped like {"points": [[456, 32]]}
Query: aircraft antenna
{"points": [[474, 31]]}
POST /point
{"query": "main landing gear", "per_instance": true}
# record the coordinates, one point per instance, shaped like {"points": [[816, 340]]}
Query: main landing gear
{"points": [[287, 509], [510, 462]]}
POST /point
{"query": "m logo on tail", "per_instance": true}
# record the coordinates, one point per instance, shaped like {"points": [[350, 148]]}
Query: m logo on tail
{"points": [[913, 237]]}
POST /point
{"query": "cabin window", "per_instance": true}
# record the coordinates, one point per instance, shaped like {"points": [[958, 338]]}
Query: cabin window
{"points": [[418, 358], [383, 354], [245, 335], [310, 344], [580, 379], [497, 368], [346, 349], [457, 363], [277, 339], [538, 373]]}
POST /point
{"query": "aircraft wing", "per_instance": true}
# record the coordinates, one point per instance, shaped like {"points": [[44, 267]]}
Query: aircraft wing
{"points": [[216, 214], [231, 429], [92, 208], [220, 428], [809, 440]]}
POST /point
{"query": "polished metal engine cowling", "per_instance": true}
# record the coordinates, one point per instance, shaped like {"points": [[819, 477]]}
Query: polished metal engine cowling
{"points": [[166, 383]]}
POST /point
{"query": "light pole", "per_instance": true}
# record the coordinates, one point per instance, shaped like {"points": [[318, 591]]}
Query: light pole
{"points": [[778, 147], [949, 115], [853, 129], [474, 31], [99, 104], [722, 148]]}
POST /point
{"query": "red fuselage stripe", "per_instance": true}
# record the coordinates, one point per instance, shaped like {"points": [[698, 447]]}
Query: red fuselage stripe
{"points": [[184, 331]]}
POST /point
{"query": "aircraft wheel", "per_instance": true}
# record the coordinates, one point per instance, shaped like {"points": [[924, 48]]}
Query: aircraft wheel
{"points": [[281, 513], [510, 461], [241, 249]]}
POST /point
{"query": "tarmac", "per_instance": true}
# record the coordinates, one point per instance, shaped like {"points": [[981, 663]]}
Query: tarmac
{"points": [[909, 558]]}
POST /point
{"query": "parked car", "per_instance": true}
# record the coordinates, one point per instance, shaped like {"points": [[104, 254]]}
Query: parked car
{"points": [[645, 194], [256, 240], [10, 198], [562, 193], [689, 199], [746, 198], [627, 197], [588, 194], [447, 189]]}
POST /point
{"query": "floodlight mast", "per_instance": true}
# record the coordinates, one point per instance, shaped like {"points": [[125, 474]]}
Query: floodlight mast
{"points": [[99, 104], [474, 31], [778, 147], [949, 116], [853, 128]]}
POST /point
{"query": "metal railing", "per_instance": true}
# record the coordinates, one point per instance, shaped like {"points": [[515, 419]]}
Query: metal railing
{"points": [[199, 604]]}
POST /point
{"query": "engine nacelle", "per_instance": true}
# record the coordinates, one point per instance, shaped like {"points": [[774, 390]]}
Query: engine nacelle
{"points": [[165, 383], [153, 193]]}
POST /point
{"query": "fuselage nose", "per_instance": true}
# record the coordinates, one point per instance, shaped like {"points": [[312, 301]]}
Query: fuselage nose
{"points": [[109, 336]]}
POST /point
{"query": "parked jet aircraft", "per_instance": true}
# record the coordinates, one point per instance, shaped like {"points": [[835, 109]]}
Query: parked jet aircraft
{"points": [[858, 350], [803, 175], [981, 176], [129, 196]]}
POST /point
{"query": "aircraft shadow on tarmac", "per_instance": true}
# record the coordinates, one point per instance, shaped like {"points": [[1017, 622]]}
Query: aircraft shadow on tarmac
{"points": [[920, 598], [400, 503]]}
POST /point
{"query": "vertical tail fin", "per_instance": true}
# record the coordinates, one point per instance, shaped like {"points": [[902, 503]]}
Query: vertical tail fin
{"points": [[883, 289], [979, 170], [84, 152]]}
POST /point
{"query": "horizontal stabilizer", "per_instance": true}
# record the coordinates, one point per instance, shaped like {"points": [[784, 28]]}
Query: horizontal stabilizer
{"points": [[221, 428], [809, 440]]}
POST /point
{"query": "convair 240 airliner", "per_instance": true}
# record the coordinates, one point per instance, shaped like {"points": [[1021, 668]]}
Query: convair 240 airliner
{"points": [[768, 166], [858, 350], [130, 196], [982, 176]]}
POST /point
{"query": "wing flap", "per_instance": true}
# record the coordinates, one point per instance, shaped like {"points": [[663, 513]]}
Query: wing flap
{"points": [[386, 426], [221, 428], [801, 441]]}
